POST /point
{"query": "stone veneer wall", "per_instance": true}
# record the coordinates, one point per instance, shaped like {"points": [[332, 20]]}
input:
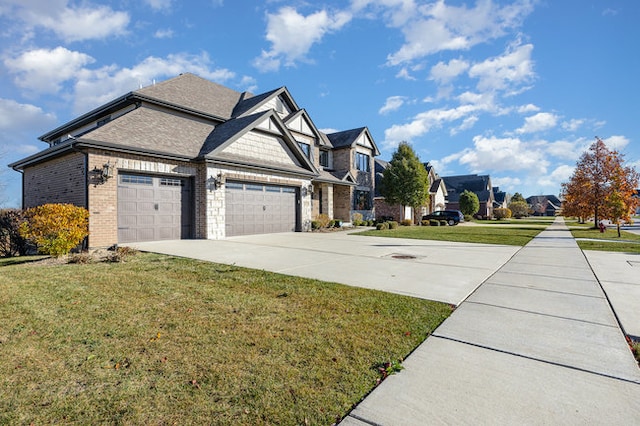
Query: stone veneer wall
{"points": [[215, 198]]}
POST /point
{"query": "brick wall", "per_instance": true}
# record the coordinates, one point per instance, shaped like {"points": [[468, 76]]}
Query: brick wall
{"points": [[61, 180], [103, 197]]}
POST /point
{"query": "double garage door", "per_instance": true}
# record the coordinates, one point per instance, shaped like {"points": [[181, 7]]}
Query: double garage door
{"points": [[259, 209], [152, 208]]}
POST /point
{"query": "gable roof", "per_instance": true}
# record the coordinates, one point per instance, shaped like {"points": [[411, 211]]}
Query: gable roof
{"points": [[230, 131], [195, 93], [303, 113], [348, 138], [249, 105], [478, 184]]}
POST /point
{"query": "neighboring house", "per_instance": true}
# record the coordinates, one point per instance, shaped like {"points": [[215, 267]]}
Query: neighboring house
{"points": [[478, 184], [545, 205], [188, 158], [637, 195], [437, 193], [500, 198]]}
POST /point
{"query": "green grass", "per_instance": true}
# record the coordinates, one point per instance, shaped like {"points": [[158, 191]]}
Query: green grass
{"points": [[607, 241], [163, 340], [469, 233], [542, 221]]}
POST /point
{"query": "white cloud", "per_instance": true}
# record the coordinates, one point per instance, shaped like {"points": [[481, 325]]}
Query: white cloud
{"points": [[435, 26], [566, 150], [95, 87], [538, 123], [572, 125], [506, 183], [445, 73], [164, 33], [43, 70], [507, 72], [525, 109], [16, 120], [559, 175], [159, 4], [467, 124], [292, 35], [404, 73], [392, 104], [502, 154], [616, 142], [70, 22]]}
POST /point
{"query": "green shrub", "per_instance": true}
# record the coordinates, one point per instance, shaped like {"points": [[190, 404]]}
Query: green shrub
{"points": [[337, 223], [382, 226], [315, 224], [406, 222], [468, 218], [11, 242], [55, 228], [371, 222], [393, 224], [501, 213], [425, 223], [434, 223]]}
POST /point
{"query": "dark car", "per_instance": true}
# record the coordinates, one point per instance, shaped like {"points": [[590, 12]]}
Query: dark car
{"points": [[452, 217]]}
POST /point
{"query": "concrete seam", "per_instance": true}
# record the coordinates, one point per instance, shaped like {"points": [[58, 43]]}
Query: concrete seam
{"points": [[540, 314], [369, 422], [544, 290], [537, 359]]}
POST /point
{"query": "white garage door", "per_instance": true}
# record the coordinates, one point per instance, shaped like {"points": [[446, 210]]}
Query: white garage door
{"points": [[152, 208], [259, 209]]}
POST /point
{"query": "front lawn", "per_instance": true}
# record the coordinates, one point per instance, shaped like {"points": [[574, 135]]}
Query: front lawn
{"points": [[163, 340], [465, 233], [593, 239]]}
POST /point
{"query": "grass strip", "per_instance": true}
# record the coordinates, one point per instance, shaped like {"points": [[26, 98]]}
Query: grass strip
{"points": [[593, 239], [163, 340], [517, 236]]}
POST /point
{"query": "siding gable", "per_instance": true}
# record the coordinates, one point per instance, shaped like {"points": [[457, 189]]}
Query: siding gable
{"points": [[259, 148], [364, 140], [300, 125], [277, 104]]}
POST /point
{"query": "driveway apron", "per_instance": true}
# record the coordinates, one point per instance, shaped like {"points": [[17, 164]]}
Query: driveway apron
{"points": [[536, 343]]}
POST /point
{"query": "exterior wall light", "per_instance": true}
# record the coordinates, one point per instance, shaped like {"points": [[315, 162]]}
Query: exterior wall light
{"points": [[106, 172], [215, 182]]}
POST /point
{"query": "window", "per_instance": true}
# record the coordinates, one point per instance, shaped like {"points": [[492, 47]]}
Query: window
{"points": [[136, 179], [362, 200], [171, 182], [362, 162], [305, 148], [324, 159], [253, 187]]}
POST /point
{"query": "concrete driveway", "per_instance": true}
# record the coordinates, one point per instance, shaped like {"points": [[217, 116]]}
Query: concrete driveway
{"points": [[434, 270]]}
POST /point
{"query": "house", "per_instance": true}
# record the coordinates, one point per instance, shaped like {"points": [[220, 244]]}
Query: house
{"points": [[500, 198], [437, 194], [188, 158], [545, 205], [478, 184]]}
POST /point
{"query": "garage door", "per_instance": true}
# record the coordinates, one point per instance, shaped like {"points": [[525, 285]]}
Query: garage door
{"points": [[152, 208], [259, 209]]}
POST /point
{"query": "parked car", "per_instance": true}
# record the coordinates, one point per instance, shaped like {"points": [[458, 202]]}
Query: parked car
{"points": [[452, 217]]}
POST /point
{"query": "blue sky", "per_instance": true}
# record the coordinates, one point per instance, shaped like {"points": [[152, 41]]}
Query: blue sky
{"points": [[514, 89]]}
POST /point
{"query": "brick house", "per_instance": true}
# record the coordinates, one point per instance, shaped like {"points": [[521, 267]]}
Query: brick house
{"points": [[188, 158], [478, 184], [437, 194]]}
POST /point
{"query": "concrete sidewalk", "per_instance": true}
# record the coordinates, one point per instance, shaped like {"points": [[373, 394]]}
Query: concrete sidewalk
{"points": [[537, 343]]}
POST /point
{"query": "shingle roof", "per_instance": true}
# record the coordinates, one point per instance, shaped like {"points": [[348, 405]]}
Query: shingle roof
{"points": [[250, 102], [196, 93], [147, 129], [477, 184], [345, 138], [225, 132]]}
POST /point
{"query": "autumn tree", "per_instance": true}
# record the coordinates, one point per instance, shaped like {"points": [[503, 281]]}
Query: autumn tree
{"points": [[469, 203], [518, 206], [601, 186], [405, 181]]}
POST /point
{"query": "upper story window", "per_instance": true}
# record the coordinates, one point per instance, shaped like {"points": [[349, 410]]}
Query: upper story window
{"points": [[362, 162], [325, 158], [306, 148]]}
